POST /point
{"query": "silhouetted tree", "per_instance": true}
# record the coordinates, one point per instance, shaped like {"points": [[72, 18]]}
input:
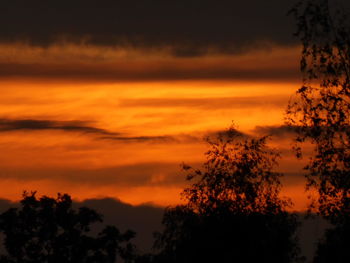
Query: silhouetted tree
{"points": [[321, 111], [233, 212], [49, 230], [322, 106]]}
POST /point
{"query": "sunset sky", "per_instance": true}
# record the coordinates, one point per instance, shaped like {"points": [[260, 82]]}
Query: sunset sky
{"points": [[108, 98]]}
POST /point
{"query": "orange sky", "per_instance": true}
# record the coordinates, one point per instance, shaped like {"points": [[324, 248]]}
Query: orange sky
{"points": [[97, 122]]}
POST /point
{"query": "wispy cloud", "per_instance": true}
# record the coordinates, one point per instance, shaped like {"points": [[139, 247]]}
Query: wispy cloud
{"points": [[165, 138], [8, 125], [27, 125], [280, 131], [156, 70], [207, 103], [135, 175]]}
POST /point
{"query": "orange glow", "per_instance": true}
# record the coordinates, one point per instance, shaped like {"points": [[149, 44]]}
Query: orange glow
{"points": [[76, 132]]}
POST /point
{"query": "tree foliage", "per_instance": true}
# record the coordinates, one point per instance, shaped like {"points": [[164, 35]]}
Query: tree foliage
{"points": [[321, 111], [49, 230], [233, 212], [321, 108], [238, 175]]}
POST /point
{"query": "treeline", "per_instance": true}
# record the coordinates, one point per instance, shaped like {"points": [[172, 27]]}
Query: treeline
{"points": [[232, 211]]}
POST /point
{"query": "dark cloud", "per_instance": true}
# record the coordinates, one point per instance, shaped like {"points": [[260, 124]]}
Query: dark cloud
{"points": [[225, 134], [208, 103], [281, 131], [292, 178], [6, 204], [7, 125], [156, 70], [27, 125], [188, 27], [143, 219], [157, 139]]}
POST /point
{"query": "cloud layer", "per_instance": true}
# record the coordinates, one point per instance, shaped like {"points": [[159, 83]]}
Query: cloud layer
{"points": [[12, 125], [207, 103], [86, 65], [186, 27]]}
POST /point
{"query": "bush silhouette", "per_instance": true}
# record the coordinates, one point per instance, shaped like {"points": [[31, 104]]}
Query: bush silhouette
{"points": [[49, 230], [233, 212]]}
